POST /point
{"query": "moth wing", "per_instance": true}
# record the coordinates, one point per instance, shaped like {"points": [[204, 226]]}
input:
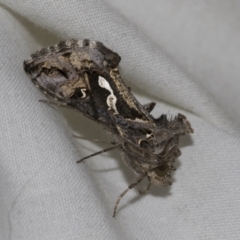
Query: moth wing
{"points": [[84, 75]]}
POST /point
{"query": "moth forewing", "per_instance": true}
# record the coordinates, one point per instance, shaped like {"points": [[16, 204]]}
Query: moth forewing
{"points": [[83, 75]]}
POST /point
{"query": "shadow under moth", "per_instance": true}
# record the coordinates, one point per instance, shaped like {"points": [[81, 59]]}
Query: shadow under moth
{"points": [[83, 75]]}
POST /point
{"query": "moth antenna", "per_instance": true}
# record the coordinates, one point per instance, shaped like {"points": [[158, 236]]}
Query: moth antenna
{"points": [[94, 140], [94, 154], [135, 182]]}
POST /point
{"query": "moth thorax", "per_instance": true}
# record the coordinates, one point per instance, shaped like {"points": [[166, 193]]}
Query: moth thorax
{"points": [[162, 138]]}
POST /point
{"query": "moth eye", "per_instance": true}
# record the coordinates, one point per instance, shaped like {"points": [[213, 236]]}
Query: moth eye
{"points": [[162, 170], [143, 143]]}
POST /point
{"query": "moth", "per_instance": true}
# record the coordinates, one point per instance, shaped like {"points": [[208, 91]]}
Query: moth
{"points": [[83, 75]]}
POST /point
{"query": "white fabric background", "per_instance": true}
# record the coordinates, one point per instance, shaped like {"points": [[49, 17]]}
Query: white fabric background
{"points": [[183, 55]]}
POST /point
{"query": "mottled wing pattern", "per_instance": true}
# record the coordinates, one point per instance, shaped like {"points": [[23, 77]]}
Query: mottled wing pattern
{"points": [[84, 74]]}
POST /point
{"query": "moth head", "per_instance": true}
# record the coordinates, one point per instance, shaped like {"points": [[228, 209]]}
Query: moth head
{"points": [[164, 146], [161, 175]]}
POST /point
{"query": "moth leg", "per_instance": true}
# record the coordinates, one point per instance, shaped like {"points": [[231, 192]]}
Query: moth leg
{"points": [[94, 154], [135, 182], [142, 192], [94, 140], [149, 106]]}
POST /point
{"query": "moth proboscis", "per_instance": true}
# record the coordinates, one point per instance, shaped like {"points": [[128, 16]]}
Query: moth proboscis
{"points": [[83, 75]]}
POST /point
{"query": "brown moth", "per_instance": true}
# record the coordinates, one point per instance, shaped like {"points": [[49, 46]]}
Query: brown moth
{"points": [[83, 75]]}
